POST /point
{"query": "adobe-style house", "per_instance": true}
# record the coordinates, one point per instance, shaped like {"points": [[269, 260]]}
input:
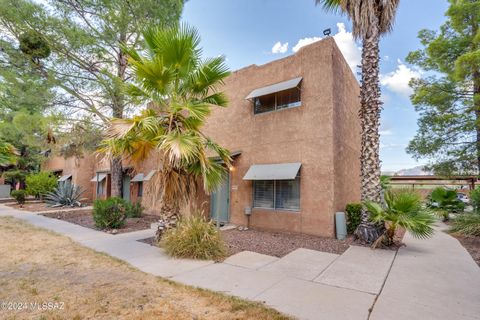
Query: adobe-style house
{"points": [[293, 129]]}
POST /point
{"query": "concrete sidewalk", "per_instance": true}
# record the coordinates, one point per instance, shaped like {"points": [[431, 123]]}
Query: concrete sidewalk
{"points": [[429, 279]]}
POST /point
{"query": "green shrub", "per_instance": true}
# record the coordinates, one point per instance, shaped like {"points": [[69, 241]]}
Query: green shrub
{"points": [[39, 184], [65, 195], [194, 237], [110, 213], [19, 196], [134, 210], [353, 211], [475, 199], [446, 200], [467, 224], [403, 208]]}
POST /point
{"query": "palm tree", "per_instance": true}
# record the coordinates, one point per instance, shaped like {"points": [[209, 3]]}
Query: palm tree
{"points": [[180, 89], [370, 19], [403, 208], [8, 154]]}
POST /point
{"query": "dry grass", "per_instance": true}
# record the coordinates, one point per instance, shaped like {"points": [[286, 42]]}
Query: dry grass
{"points": [[40, 266]]}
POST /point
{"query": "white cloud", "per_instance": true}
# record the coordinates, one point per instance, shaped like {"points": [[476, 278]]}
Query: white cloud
{"points": [[397, 81], [345, 42], [305, 42], [280, 47], [348, 46], [385, 132]]}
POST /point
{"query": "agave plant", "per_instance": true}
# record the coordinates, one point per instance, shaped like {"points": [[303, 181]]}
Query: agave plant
{"points": [[65, 195], [403, 208]]}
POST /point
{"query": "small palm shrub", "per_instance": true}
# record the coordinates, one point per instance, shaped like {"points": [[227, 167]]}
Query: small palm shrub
{"points": [[110, 213], [467, 224], [194, 237], [39, 184], [19, 196], [65, 195], [353, 211], [403, 208], [445, 201]]}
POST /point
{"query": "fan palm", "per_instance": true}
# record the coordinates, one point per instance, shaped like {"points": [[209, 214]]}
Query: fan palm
{"points": [[403, 208], [8, 154], [180, 89], [370, 19]]}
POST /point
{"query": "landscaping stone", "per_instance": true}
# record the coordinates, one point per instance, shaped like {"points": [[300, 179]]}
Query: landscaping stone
{"points": [[359, 268], [302, 263]]}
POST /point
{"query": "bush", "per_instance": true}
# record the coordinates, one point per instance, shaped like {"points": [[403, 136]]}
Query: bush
{"points": [[353, 211], [475, 199], [65, 194], [110, 213], [194, 237], [19, 196], [39, 184], [403, 208], [446, 200], [467, 224], [134, 210]]}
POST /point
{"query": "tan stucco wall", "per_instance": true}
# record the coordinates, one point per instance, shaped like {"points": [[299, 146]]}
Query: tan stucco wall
{"points": [[314, 134], [323, 134], [81, 170]]}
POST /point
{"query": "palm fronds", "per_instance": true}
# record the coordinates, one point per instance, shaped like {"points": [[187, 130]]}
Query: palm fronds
{"points": [[182, 88], [403, 209]]}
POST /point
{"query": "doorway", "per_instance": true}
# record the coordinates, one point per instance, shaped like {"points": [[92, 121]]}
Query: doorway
{"points": [[220, 202]]}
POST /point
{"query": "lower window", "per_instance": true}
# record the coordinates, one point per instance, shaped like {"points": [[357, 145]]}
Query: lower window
{"points": [[277, 194]]}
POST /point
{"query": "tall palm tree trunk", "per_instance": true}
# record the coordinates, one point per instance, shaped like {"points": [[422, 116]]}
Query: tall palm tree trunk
{"points": [[370, 108]]}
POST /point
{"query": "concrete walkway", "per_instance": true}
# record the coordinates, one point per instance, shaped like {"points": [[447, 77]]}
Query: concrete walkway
{"points": [[424, 279]]}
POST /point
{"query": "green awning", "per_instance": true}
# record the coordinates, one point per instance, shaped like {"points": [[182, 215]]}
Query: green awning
{"points": [[279, 171]]}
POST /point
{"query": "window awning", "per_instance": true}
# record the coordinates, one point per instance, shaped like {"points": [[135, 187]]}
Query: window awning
{"points": [[64, 178], [280, 171], [138, 178], [285, 85], [99, 177]]}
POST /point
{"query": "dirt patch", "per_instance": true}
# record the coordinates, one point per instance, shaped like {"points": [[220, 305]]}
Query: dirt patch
{"points": [[275, 243], [32, 206], [75, 282], [471, 243], [279, 244], [84, 218]]}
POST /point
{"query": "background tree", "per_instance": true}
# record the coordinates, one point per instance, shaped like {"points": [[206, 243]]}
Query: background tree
{"points": [[449, 99], [370, 19], [181, 89], [87, 64]]}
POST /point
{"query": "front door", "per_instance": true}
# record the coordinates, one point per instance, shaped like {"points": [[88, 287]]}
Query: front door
{"points": [[220, 202], [126, 187]]}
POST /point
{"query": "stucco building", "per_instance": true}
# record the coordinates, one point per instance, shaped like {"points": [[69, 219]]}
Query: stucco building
{"points": [[293, 129]]}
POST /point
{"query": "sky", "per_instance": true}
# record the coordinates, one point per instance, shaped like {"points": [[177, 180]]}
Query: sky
{"points": [[258, 31]]}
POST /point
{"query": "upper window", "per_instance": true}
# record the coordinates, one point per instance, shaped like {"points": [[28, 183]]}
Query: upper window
{"points": [[278, 100]]}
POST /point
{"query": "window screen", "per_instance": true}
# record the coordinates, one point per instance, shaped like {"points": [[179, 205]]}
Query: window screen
{"points": [[277, 194], [279, 100], [263, 194]]}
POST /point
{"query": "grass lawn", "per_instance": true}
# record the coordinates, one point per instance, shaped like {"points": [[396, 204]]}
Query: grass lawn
{"points": [[38, 266]]}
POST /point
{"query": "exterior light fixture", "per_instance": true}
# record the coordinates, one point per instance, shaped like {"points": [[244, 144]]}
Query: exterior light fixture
{"points": [[327, 32]]}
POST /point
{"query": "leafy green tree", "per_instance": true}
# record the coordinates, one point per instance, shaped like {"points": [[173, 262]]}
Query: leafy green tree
{"points": [[87, 63], [8, 154], [39, 184], [448, 100], [370, 19], [180, 88]]}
